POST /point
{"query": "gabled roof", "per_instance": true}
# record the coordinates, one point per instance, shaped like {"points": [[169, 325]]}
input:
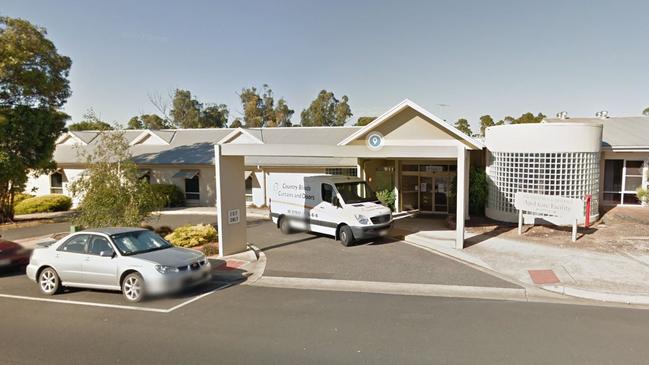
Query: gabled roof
{"points": [[252, 133], [82, 137], [410, 104], [618, 132], [163, 137]]}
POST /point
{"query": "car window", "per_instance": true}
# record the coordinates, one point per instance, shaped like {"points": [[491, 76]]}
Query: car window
{"points": [[99, 244], [327, 193], [75, 244], [132, 243]]}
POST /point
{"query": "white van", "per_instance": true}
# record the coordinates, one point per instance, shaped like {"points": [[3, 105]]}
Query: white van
{"points": [[340, 206]]}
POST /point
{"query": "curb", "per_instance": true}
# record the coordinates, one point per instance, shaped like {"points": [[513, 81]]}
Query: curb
{"points": [[598, 296], [374, 287]]}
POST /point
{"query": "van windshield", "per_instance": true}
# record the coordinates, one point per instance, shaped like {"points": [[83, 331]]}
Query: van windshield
{"points": [[356, 192]]}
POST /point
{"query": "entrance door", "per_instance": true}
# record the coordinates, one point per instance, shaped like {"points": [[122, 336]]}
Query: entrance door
{"points": [[441, 193], [426, 200]]}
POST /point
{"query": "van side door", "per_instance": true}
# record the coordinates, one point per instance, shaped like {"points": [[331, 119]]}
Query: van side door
{"points": [[325, 216]]}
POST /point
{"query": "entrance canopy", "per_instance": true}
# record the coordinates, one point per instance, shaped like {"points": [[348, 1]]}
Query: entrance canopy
{"points": [[405, 131]]}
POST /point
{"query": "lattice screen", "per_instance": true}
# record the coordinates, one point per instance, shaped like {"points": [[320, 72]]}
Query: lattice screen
{"points": [[572, 175]]}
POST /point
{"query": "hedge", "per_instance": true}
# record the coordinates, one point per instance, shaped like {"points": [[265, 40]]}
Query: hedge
{"points": [[169, 194], [18, 197], [191, 236], [44, 203]]}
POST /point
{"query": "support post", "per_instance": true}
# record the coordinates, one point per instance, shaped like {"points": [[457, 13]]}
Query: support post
{"points": [[397, 187], [230, 203], [574, 231], [467, 173], [460, 190], [520, 222]]}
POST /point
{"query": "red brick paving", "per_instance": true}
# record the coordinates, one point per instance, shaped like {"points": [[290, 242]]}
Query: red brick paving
{"points": [[543, 276]]}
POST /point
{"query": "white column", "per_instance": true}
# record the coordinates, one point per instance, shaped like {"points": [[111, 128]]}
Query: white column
{"points": [[360, 173], [397, 187], [231, 201], [461, 188]]}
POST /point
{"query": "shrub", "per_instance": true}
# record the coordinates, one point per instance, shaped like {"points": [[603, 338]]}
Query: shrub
{"points": [[478, 191], [191, 236], [387, 197], [45, 203], [18, 197], [169, 194], [643, 195], [210, 249]]}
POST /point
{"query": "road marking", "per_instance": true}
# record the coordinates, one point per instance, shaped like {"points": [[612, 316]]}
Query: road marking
{"points": [[436, 290], [116, 306]]}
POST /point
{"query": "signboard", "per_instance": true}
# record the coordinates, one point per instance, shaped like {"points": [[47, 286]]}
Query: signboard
{"points": [[540, 206], [234, 216]]}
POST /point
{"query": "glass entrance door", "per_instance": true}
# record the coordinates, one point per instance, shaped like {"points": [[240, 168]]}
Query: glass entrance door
{"points": [[425, 187], [426, 194]]}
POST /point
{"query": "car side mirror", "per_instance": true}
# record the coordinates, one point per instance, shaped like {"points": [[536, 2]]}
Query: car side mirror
{"points": [[336, 202], [107, 253]]}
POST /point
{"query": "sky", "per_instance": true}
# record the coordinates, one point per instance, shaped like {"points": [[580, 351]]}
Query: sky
{"points": [[455, 58]]}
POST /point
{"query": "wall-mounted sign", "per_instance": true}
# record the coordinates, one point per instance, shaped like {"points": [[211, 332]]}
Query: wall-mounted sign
{"points": [[234, 216], [375, 141], [542, 206]]}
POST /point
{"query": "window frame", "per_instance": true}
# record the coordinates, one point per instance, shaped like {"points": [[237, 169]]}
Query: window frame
{"points": [[193, 195], [62, 246], [56, 189]]}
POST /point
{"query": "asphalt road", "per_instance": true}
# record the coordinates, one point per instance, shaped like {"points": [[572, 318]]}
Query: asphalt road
{"points": [[255, 325], [308, 255]]}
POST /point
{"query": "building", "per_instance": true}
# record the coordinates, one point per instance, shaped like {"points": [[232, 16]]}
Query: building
{"points": [[407, 149]]}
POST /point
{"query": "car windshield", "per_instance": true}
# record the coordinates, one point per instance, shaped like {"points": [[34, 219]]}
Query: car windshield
{"points": [[356, 192], [132, 243]]}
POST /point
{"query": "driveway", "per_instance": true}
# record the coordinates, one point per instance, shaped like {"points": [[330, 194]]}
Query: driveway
{"points": [[307, 255]]}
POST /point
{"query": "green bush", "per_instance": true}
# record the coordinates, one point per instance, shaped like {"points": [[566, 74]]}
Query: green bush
{"points": [[169, 194], [643, 195], [45, 203], [478, 191], [387, 197], [191, 236], [18, 197]]}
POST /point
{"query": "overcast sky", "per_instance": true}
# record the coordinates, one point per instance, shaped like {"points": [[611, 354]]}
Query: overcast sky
{"points": [[454, 58]]}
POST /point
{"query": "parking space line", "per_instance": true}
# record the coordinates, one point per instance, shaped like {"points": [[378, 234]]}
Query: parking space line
{"points": [[89, 304], [116, 306]]}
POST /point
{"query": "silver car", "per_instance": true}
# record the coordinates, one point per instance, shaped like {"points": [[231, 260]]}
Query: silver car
{"points": [[135, 261]]}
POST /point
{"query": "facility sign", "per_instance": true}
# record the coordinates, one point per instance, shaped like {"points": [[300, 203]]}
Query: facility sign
{"points": [[540, 206], [555, 206]]}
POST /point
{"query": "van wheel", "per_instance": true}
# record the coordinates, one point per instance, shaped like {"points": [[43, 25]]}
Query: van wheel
{"points": [[346, 236], [285, 226]]}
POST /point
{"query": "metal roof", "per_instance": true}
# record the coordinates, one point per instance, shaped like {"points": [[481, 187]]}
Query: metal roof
{"points": [[618, 132]]}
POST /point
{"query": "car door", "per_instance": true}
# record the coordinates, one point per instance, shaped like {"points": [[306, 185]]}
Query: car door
{"points": [[100, 270], [69, 258], [325, 216]]}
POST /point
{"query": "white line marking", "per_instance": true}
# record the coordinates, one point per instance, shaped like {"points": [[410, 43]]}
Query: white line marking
{"points": [[116, 306], [89, 304]]}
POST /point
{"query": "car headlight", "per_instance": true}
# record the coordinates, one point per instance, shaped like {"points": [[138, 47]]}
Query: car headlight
{"points": [[362, 219], [164, 269]]}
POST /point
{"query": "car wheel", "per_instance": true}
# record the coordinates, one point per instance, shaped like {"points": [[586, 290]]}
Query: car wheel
{"points": [[346, 236], [49, 282], [133, 287], [285, 226]]}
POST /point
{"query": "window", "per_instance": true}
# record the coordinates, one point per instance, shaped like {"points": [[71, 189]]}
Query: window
{"points": [[98, 244], [327, 193], [356, 192], [192, 188], [56, 183], [621, 179], [131, 243], [75, 244], [342, 171]]}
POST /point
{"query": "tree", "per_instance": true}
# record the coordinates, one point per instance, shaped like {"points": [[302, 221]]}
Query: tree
{"points": [[236, 123], [111, 192], [463, 126], [148, 121], [486, 121], [326, 110], [362, 121], [188, 112], [261, 111], [646, 111], [90, 122], [526, 118], [33, 85]]}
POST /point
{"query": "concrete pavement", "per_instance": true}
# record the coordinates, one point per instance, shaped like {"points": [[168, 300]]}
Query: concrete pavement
{"points": [[621, 277]]}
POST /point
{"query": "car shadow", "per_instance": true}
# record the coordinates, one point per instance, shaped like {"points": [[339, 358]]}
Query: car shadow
{"points": [[6, 272]]}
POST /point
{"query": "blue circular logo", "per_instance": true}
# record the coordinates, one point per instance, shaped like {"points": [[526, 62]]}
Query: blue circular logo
{"points": [[375, 141]]}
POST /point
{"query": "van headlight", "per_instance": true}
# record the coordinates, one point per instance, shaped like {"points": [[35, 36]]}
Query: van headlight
{"points": [[362, 219], [164, 269]]}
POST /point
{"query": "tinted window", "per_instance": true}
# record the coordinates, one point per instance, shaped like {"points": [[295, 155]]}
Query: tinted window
{"points": [[356, 192], [99, 244], [75, 244], [327, 193]]}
